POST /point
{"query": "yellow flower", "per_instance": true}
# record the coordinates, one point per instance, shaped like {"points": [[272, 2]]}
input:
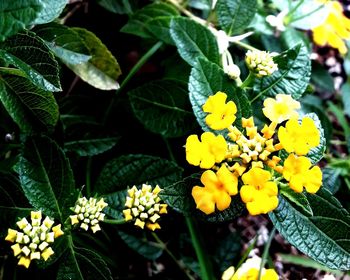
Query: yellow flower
{"points": [[299, 138], [221, 114], [144, 207], [260, 63], [32, 240], [217, 190], [88, 213], [258, 192], [250, 271], [281, 108], [335, 29], [211, 150], [297, 171]]}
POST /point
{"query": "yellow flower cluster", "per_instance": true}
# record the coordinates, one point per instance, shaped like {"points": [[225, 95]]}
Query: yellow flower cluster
{"points": [[249, 271], [335, 29], [32, 240], [144, 207], [88, 213], [250, 156], [260, 63]]}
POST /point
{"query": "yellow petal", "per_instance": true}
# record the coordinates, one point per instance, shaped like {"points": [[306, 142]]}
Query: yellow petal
{"points": [[24, 261]]}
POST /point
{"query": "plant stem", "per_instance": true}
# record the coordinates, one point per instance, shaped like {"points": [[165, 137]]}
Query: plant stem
{"points": [[12, 71], [165, 248], [266, 251], [204, 263], [246, 253], [88, 176], [187, 12], [114, 222], [244, 45], [248, 81]]}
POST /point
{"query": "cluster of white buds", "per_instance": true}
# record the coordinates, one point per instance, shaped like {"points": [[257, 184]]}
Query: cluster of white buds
{"points": [[261, 62], [88, 213], [32, 240], [144, 206]]}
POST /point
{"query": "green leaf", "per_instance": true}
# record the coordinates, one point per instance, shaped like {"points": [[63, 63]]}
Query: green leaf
{"points": [[137, 23], [159, 27], [32, 108], [345, 95], [9, 216], [91, 147], [65, 43], [178, 196], [116, 204], [339, 114], [46, 177], [118, 7], [142, 246], [50, 10], [291, 37], [235, 16], [323, 236], [317, 153], [292, 77], [29, 53], [130, 170], [194, 41], [82, 264], [163, 107], [206, 79], [322, 78], [331, 179], [17, 15], [297, 199], [102, 70]]}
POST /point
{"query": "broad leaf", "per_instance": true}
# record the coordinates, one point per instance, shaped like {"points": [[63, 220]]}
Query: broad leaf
{"points": [[46, 177], [50, 10], [322, 78], [130, 170], [9, 215], [235, 16], [159, 27], [331, 179], [32, 108], [118, 7], [142, 246], [65, 43], [137, 23], [29, 53], [323, 236], [194, 41], [298, 200], [116, 204], [17, 15], [91, 147], [292, 77], [206, 79], [178, 196], [163, 107]]}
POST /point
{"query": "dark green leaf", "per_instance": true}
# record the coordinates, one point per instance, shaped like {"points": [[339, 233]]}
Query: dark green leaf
{"points": [[193, 41], [330, 179], [50, 10], [298, 200], [118, 7], [159, 27], [163, 107], [32, 108], [91, 147], [65, 43], [322, 78], [178, 196], [137, 23], [9, 215], [46, 177], [338, 112], [102, 70], [130, 170], [235, 16], [208, 78], [292, 77], [16, 15], [29, 53], [142, 246], [324, 236], [345, 95], [116, 204], [291, 37]]}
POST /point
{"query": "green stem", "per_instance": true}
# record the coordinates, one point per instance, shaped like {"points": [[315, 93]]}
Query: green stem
{"points": [[266, 251], [291, 12], [244, 45], [88, 176], [115, 222], [248, 81], [12, 71], [165, 248], [204, 263], [246, 253]]}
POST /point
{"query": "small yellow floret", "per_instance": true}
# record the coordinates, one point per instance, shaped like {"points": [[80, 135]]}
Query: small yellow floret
{"points": [[24, 261], [11, 235], [57, 231]]}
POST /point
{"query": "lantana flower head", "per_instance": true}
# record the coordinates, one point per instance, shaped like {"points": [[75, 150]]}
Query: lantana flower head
{"points": [[260, 62], [281, 108], [211, 150], [221, 114], [335, 29], [298, 137], [297, 170], [144, 206], [249, 270], [32, 240], [217, 191], [88, 213]]}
